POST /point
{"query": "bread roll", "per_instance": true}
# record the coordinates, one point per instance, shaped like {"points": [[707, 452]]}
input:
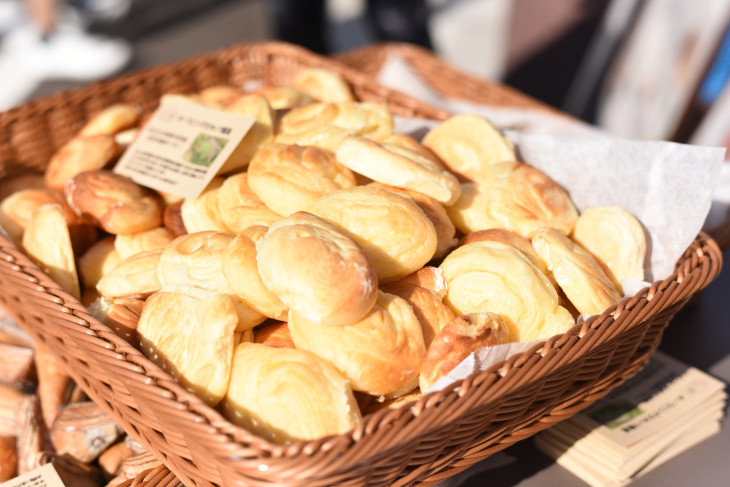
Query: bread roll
{"points": [[97, 261], [191, 337], [203, 213], [286, 395], [317, 270], [222, 95], [367, 119], [616, 238], [456, 340], [408, 142], [134, 276], [113, 119], [240, 208], [115, 202], [261, 133], [240, 270], [285, 97], [397, 166], [47, 242], [172, 219], [21, 182], [198, 260], [381, 403], [435, 211], [432, 314], [469, 144], [380, 354], [326, 137], [274, 334], [395, 234], [494, 277], [427, 277], [134, 243], [119, 314], [516, 197], [78, 155], [579, 275], [17, 209], [323, 85], [290, 178]]}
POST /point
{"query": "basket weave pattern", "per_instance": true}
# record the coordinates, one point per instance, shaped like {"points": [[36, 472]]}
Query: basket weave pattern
{"points": [[423, 443]]}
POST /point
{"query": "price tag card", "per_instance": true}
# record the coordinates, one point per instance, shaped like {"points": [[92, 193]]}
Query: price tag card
{"points": [[45, 476], [182, 147]]}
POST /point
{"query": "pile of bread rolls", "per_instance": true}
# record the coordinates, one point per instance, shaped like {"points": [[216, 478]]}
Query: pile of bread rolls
{"points": [[333, 267]]}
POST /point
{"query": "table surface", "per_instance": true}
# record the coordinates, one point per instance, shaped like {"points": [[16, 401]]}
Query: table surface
{"points": [[699, 335]]}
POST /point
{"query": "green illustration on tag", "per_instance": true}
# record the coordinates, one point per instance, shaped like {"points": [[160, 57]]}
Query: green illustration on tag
{"points": [[204, 149]]}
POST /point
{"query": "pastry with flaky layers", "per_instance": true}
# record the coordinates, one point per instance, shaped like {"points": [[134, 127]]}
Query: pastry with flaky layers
{"points": [[198, 260], [47, 242], [17, 209], [119, 314], [323, 85], [381, 354], [112, 120], [203, 213], [221, 95], [616, 238], [116, 203], [273, 334], [578, 274], [317, 270], [469, 144], [285, 395], [398, 166], [494, 277], [291, 178], [78, 155], [395, 234], [134, 276], [285, 97], [514, 196], [260, 133], [427, 277], [190, 335], [97, 261], [240, 208], [134, 243], [456, 340]]}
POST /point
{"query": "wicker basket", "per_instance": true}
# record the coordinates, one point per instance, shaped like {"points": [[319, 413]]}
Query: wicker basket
{"points": [[425, 442]]}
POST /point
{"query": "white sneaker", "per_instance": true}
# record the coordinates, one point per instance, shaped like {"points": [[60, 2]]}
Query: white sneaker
{"points": [[17, 83], [68, 53]]}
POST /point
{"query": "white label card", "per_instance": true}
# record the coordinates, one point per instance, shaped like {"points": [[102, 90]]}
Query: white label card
{"points": [[182, 147], [45, 476]]}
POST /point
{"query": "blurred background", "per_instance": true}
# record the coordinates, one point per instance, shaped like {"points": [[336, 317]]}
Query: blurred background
{"points": [[652, 69]]}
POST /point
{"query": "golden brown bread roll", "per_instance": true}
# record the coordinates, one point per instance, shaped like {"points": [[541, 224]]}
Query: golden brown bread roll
{"points": [[380, 403], [203, 213], [456, 340], [432, 314], [435, 211], [326, 137], [115, 202], [616, 238], [134, 276], [427, 277], [240, 208], [395, 234], [97, 261], [579, 275], [78, 155], [380, 354], [240, 270], [119, 314], [273, 334], [21, 182], [47, 242], [290, 178], [494, 277], [317, 270], [17, 209], [514, 196], [285, 97], [172, 219], [397, 166], [469, 144], [323, 85], [261, 133], [286, 395], [134, 243], [221, 95], [408, 142], [515, 240], [191, 337], [111, 120], [198, 260]]}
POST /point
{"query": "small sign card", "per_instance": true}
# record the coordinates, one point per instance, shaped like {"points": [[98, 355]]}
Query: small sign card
{"points": [[44, 476], [182, 147]]}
